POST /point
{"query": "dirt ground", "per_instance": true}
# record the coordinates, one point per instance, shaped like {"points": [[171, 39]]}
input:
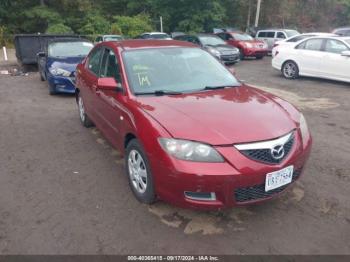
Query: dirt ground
{"points": [[63, 188]]}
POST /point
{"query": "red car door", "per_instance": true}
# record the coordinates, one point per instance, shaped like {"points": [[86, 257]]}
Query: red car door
{"points": [[110, 103], [90, 75]]}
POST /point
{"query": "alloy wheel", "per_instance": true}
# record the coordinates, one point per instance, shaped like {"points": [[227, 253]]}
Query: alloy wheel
{"points": [[81, 109], [290, 70], [137, 171]]}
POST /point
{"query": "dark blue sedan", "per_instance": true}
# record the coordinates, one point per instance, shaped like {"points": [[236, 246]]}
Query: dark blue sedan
{"points": [[57, 63]]}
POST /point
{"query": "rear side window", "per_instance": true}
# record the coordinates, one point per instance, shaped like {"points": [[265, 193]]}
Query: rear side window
{"points": [[94, 61], [335, 46], [262, 34], [281, 35], [270, 35], [312, 44]]}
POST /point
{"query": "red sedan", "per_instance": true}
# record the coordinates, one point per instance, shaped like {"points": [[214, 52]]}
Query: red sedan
{"points": [[248, 46], [191, 133]]}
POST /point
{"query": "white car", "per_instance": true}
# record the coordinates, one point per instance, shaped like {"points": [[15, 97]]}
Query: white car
{"points": [[297, 38], [323, 57]]}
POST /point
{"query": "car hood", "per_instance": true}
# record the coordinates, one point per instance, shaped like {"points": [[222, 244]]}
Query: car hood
{"points": [[220, 117], [66, 63], [222, 48]]}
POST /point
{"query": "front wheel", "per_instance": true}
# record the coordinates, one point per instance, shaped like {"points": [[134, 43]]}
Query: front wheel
{"points": [[290, 70], [84, 119], [259, 57], [241, 54], [139, 173]]}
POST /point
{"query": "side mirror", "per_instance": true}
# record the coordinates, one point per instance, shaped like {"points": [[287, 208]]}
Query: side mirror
{"points": [[108, 83], [345, 53], [41, 54]]}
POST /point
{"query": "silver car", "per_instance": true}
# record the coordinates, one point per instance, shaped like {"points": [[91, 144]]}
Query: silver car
{"points": [[270, 36]]}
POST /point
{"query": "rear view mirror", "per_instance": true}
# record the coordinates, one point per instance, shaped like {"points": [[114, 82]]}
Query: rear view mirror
{"points": [[108, 83], [345, 53], [41, 54]]}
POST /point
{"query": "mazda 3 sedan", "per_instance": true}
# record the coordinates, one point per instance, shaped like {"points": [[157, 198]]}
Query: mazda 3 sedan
{"points": [[191, 133]]}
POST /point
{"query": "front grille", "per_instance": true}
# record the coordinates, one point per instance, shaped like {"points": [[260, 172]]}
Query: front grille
{"points": [[229, 57], [265, 155], [258, 192]]}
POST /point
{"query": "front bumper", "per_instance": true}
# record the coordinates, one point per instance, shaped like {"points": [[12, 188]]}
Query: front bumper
{"points": [[62, 84], [255, 52], [230, 59], [238, 181]]}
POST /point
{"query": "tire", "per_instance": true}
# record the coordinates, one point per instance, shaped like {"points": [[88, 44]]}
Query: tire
{"points": [[139, 173], [290, 70], [84, 119], [259, 57], [241, 54], [42, 78], [52, 90]]}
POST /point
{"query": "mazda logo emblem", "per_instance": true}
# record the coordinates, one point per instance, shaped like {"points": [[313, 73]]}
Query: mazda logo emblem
{"points": [[277, 152]]}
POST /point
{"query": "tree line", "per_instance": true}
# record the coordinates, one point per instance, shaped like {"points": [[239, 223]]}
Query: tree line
{"points": [[132, 17]]}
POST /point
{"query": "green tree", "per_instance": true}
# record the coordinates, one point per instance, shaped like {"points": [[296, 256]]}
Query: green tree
{"points": [[133, 25], [95, 23], [59, 29]]}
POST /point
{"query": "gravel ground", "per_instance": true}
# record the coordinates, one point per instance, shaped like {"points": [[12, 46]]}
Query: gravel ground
{"points": [[63, 188]]}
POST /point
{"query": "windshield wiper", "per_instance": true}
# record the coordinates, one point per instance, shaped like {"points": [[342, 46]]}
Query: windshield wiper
{"points": [[218, 87], [159, 93]]}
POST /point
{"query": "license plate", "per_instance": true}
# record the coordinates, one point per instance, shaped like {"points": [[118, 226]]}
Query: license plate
{"points": [[279, 178]]}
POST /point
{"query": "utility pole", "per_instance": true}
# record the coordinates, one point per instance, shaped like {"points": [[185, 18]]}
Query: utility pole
{"points": [[249, 15], [257, 13], [161, 24]]}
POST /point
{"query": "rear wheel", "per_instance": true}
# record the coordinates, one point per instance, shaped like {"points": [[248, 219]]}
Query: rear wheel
{"points": [[290, 70], [241, 54], [85, 120], [139, 173]]}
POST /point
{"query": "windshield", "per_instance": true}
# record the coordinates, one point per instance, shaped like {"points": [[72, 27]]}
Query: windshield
{"points": [[175, 70], [113, 38], [159, 36], [211, 40], [242, 37], [69, 49], [291, 33]]}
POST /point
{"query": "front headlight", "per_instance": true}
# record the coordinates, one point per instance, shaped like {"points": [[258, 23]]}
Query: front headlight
{"points": [[190, 151], [305, 134], [59, 72], [214, 52], [249, 45]]}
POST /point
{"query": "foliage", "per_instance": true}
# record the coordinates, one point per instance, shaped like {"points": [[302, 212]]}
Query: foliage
{"points": [[132, 17], [95, 23], [59, 29], [133, 25]]}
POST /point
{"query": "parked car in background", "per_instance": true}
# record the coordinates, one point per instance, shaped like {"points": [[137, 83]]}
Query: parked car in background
{"points": [[323, 57], [214, 45], [297, 38], [57, 63], [190, 132], [104, 38], [342, 31], [154, 35], [247, 45], [271, 36]]}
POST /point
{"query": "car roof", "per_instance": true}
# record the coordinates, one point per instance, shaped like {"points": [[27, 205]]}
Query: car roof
{"points": [[277, 29], [144, 44], [68, 39], [154, 33]]}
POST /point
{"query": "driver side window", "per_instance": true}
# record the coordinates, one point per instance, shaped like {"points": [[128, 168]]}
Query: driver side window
{"points": [[110, 66], [94, 61]]}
